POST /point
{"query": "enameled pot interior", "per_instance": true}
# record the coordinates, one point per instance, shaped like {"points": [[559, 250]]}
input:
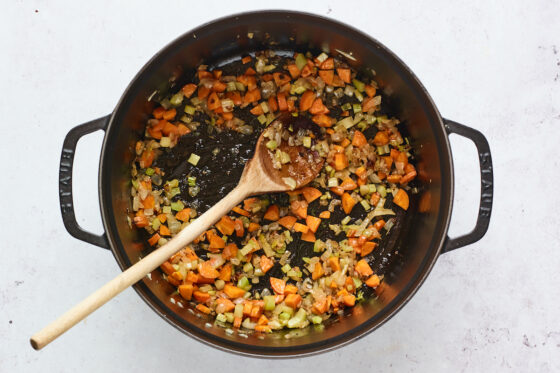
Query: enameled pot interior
{"points": [[420, 236]]}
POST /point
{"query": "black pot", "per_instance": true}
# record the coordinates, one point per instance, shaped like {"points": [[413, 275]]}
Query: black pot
{"points": [[419, 243]]}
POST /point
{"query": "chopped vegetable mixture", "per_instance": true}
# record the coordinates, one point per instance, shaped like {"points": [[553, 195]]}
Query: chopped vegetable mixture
{"points": [[241, 270]]}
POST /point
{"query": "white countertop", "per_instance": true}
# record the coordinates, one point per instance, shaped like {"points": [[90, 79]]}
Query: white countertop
{"points": [[491, 306]]}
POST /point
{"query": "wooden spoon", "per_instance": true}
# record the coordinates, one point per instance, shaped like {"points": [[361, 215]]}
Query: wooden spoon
{"points": [[258, 177]]}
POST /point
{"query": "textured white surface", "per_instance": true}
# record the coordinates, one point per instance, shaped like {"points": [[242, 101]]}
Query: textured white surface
{"points": [[492, 306]]}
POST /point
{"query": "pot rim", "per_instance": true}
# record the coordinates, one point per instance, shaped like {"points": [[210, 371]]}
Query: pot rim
{"points": [[389, 310]]}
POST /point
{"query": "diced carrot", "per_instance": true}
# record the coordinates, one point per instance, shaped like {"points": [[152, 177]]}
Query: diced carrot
{"points": [[320, 307], [282, 103], [368, 104], [328, 64], [167, 268], [340, 161], [188, 90], [312, 223], [149, 202], [266, 263], [226, 225], [361, 172], [182, 129], [164, 231], [401, 199], [408, 168], [158, 112], [345, 143], [257, 110], [317, 271], [408, 177], [379, 224], [278, 285], [201, 296], [235, 97], [311, 194], [373, 281], [237, 322], [337, 190], [318, 107], [287, 221], [306, 100], [348, 184], [349, 300], [322, 120], [240, 211], [388, 161], [290, 289], [225, 273], [281, 78], [367, 248], [370, 90], [359, 139], [230, 251], [256, 312], [224, 305], [253, 227], [217, 74], [154, 133], [219, 86], [299, 209], [216, 242], [202, 308], [293, 300], [253, 95], [239, 228], [263, 328], [206, 270], [298, 227], [154, 239], [272, 104], [381, 138], [394, 178], [263, 320], [246, 60], [344, 74], [348, 203], [308, 236], [203, 92], [325, 214], [204, 74], [214, 101], [294, 71], [306, 71], [334, 263], [147, 158], [327, 76], [374, 200], [183, 215], [233, 291], [394, 153], [272, 213], [363, 268]]}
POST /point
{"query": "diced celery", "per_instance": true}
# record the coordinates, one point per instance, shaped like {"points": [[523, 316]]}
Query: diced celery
{"points": [[346, 122], [316, 319], [247, 268], [251, 245], [135, 184], [345, 221], [271, 144], [269, 302], [372, 188], [365, 204], [221, 317], [240, 86], [382, 191], [364, 189], [357, 282], [322, 57], [238, 311], [290, 182], [301, 61], [262, 119], [357, 108], [176, 99], [177, 206], [360, 86], [268, 68], [173, 183], [229, 316], [298, 319], [155, 224], [165, 142], [191, 180], [166, 209], [150, 171], [243, 283], [359, 96], [307, 141], [193, 159], [175, 191], [346, 106], [286, 268], [306, 259], [231, 87], [284, 316], [190, 109]]}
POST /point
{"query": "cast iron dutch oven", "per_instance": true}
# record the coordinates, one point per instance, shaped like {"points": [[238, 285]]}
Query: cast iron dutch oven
{"points": [[419, 242]]}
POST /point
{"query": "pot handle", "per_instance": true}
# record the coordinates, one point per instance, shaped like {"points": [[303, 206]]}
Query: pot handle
{"points": [[65, 181], [486, 190]]}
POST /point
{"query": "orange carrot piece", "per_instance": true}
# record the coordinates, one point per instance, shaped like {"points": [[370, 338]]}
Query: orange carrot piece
{"points": [[327, 76], [363, 268], [149, 202], [337, 190], [278, 285], [206, 270], [167, 268], [183, 215], [158, 112], [381, 138], [186, 291], [188, 90], [298, 227], [306, 100], [226, 225], [287, 221], [306, 71], [340, 161], [373, 281], [216, 242], [370, 90], [164, 231], [257, 110], [253, 227], [225, 273], [263, 320], [317, 271], [299, 209], [233, 291], [293, 300], [345, 143], [154, 239], [230, 251], [320, 307], [290, 289], [328, 64], [253, 95], [272, 104], [214, 102], [311, 194], [359, 139], [240, 211], [200, 296], [401, 199], [349, 300], [313, 223], [239, 228], [272, 213], [246, 60], [203, 92], [367, 248], [203, 74], [344, 74], [237, 322], [348, 184], [325, 214], [182, 129], [334, 263], [394, 178], [294, 71], [282, 103], [322, 120], [266, 263], [348, 203], [368, 104], [219, 86], [408, 177], [318, 107], [308, 236]]}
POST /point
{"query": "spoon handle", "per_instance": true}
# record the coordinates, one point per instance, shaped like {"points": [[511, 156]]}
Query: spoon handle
{"points": [[136, 272]]}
